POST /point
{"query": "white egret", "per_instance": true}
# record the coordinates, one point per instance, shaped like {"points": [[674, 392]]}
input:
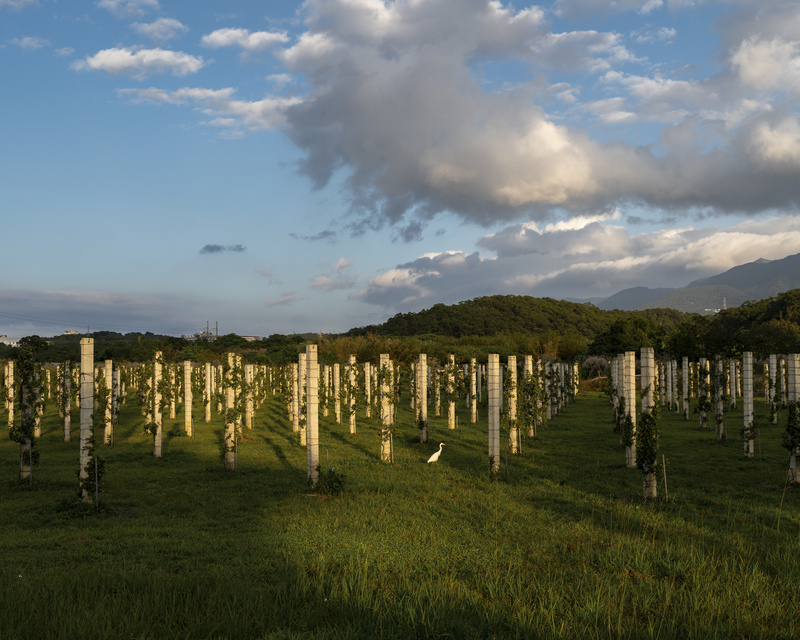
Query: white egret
{"points": [[436, 455]]}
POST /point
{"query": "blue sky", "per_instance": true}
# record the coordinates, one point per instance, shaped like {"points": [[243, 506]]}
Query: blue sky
{"points": [[282, 167]]}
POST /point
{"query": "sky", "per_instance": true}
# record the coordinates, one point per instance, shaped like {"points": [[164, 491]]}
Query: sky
{"points": [[283, 167]]}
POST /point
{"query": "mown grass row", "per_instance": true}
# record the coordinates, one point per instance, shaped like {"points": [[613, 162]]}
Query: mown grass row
{"points": [[560, 546]]}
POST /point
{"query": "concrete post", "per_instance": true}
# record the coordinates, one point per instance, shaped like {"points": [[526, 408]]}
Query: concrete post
{"points": [[312, 412], [108, 376], [629, 384], [352, 389], [649, 484], [422, 397], [513, 431], [747, 392], [158, 420], [451, 391], [385, 368], [495, 399], [473, 392], [337, 399], [87, 408], [188, 425]]}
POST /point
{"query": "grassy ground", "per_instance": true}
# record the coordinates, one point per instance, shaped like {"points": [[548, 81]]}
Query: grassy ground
{"points": [[561, 547]]}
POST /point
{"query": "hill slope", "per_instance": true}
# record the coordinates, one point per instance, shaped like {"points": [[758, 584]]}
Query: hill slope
{"points": [[752, 281], [493, 315], [633, 298]]}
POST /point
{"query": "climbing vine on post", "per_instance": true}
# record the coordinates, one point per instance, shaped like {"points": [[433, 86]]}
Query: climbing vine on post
{"points": [[384, 387], [29, 401]]}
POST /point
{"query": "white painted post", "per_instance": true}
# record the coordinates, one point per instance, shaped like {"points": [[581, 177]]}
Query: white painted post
{"points": [[649, 484], [174, 388], [187, 398], [87, 408], [686, 376], [337, 381], [108, 376], [312, 412], [747, 391], [629, 384], [473, 392], [230, 420], [422, 397], [302, 362], [66, 382], [495, 399], [451, 390], [207, 396], [295, 376], [158, 438], [352, 389], [368, 389], [513, 431], [249, 381], [10, 393], [386, 410], [773, 387], [438, 392], [668, 382]]}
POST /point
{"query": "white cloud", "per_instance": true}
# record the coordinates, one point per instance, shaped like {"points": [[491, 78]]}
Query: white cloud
{"points": [[129, 8], [287, 297], [326, 283], [64, 51], [339, 278], [140, 63], [179, 96], [397, 108], [592, 261], [161, 30], [18, 4], [256, 41], [646, 35], [268, 113], [30, 43], [769, 64]]}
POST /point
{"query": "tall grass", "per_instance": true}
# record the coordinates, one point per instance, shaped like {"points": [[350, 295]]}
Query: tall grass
{"points": [[561, 545]]}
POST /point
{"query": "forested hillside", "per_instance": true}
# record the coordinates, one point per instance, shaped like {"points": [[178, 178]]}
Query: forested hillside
{"points": [[494, 315]]}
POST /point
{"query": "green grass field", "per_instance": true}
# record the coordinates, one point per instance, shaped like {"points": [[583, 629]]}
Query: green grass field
{"points": [[562, 546]]}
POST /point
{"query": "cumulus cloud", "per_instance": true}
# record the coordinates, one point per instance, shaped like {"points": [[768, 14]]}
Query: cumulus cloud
{"points": [[129, 8], [161, 30], [589, 259], [218, 248], [395, 102], [255, 41], [268, 113], [30, 43], [339, 278], [397, 106], [140, 63]]}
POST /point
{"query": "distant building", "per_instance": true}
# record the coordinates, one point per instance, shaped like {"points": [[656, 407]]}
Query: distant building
{"points": [[9, 342], [202, 335], [251, 338], [71, 332]]}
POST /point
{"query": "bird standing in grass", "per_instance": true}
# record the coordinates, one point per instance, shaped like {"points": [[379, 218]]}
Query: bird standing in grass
{"points": [[436, 455]]}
